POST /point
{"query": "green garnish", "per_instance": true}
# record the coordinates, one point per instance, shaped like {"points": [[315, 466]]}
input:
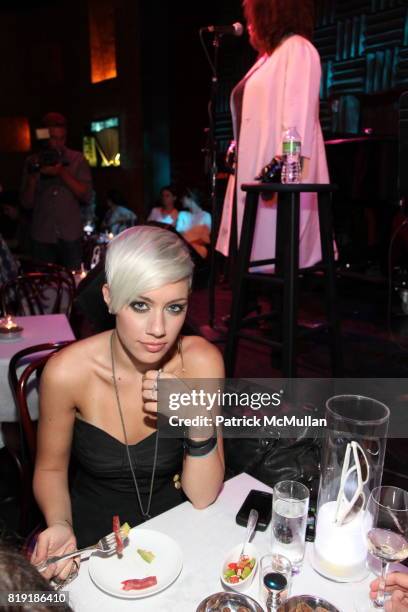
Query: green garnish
{"points": [[146, 555]]}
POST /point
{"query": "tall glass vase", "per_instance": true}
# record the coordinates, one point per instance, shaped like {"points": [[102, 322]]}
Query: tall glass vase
{"points": [[351, 467]]}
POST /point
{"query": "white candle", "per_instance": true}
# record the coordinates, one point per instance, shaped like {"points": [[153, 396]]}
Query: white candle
{"points": [[340, 551]]}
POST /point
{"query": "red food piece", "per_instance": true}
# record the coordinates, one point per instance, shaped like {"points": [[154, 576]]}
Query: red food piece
{"points": [[233, 579], [118, 537], [232, 566], [135, 584]]}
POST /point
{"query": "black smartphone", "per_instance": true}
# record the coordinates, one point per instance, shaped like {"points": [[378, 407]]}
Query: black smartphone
{"points": [[261, 501]]}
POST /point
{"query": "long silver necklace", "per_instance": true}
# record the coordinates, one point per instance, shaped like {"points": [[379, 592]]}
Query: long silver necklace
{"points": [[145, 514]]}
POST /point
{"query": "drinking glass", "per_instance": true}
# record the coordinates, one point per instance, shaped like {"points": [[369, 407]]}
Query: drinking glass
{"points": [[274, 564], [289, 518], [385, 528]]}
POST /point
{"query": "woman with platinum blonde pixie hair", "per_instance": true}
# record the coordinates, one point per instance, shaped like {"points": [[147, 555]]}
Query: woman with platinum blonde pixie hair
{"points": [[98, 400]]}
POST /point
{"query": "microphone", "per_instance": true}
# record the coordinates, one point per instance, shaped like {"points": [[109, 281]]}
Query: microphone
{"points": [[236, 29]]}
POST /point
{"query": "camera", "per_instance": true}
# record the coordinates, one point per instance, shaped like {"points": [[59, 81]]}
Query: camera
{"points": [[47, 157], [44, 155]]}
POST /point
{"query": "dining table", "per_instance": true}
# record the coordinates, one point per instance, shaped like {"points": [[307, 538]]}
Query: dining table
{"points": [[37, 329], [205, 537]]}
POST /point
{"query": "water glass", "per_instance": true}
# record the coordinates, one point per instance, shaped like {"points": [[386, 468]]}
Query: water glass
{"points": [[289, 518], [271, 564]]}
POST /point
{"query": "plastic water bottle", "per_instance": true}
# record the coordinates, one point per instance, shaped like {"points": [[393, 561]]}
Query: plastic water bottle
{"points": [[291, 145]]}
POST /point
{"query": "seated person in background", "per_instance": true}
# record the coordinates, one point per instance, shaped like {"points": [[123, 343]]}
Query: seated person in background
{"points": [[168, 210], [98, 399], [194, 223], [118, 216], [18, 575]]}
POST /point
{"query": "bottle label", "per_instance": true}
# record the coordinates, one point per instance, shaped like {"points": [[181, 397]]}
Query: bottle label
{"points": [[289, 147]]}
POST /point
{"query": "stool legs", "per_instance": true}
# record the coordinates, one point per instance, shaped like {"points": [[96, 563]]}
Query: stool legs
{"points": [[288, 267], [239, 281], [326, 238]]}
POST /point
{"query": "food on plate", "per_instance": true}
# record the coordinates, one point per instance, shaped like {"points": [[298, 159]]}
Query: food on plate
{"points": [[121, 533], [124, 530], [136, 584], [146, 555], [303, 607], [236, 572]]}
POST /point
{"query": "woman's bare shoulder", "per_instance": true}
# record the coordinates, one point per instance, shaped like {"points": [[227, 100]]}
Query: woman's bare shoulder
{"points": [[74, 362], [199, 354]]}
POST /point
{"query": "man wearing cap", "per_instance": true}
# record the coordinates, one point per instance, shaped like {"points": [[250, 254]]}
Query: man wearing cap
{"points": [[56, 181]]}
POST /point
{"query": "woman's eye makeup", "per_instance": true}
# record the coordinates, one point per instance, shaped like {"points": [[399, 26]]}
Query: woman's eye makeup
{"points": [[176, 308], [139, 306]]}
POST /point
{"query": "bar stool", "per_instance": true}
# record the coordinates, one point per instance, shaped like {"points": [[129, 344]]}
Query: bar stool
{"points": [[286, 272]]}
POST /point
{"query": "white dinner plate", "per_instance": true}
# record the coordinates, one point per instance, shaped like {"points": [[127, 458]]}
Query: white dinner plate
{"points": [[109, 572]]}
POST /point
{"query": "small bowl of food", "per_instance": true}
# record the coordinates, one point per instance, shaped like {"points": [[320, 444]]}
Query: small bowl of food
{"points": [[307, 603], [237, 572]]}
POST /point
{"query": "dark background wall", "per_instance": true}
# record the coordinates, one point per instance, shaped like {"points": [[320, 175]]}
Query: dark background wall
{"points": [[163, 83], [364, 49], [46, 66]]}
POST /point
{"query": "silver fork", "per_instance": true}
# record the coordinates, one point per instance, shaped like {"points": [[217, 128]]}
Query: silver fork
{"points": [[107, 544]]}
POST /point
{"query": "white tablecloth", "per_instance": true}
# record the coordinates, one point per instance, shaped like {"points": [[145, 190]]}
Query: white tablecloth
{"points": [[205, 537], [37, 330]]}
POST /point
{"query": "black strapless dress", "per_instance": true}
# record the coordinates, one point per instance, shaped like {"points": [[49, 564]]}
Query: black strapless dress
{"points": [[102, 485]]}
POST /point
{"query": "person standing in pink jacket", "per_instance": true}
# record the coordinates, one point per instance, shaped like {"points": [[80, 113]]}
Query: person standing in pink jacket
{"points": [[280, 91]]}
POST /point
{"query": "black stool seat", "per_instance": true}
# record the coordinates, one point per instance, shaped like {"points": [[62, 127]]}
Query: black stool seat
{"points": [[286, 262]]}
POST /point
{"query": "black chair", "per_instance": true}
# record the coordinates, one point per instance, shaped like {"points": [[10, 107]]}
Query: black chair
{"points": [[286, 272], [24, 449], [31, 265], [38, 293]]}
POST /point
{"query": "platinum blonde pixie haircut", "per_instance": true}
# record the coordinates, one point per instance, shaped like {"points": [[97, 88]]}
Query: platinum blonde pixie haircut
{"points": [[144, 258]]}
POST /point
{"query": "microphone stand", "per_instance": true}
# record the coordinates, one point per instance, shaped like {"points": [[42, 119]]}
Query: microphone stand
{"points": [[211, 156], [213, 183]]}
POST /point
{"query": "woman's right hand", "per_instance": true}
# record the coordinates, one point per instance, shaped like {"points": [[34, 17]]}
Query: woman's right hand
{"points": [[396, 584], [58, 539]]}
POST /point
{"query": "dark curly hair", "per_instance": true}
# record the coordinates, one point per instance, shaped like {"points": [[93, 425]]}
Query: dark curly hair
{"points": [[17, 574], [272, 20]]}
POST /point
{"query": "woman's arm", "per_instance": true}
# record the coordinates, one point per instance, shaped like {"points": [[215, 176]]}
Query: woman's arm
{"points": [[57, 414], [301, 90], [203, 476]]}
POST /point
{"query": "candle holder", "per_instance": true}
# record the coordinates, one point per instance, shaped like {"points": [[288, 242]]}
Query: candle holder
{"points": [[9, 329], [351, 467]]}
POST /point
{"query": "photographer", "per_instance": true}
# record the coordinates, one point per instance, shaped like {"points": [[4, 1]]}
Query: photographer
{"points": [[56, 181]]}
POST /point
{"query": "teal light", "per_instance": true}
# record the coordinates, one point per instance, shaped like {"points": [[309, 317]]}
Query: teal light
{"points": [[98, 126]]}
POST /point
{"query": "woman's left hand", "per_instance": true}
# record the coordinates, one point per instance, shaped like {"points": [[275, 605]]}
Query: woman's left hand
{"points": [[150, 382]]}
